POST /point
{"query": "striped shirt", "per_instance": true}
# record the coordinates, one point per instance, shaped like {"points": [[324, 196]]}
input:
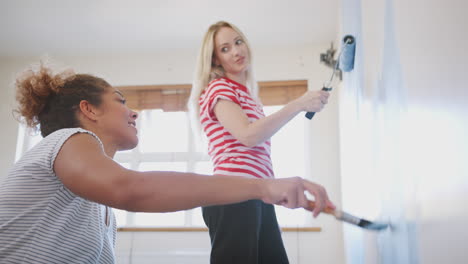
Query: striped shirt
{"points": [[41, 221], [230, 156]]}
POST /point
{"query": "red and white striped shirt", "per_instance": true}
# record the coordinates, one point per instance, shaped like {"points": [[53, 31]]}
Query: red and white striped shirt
{"points": [[229, 156]]}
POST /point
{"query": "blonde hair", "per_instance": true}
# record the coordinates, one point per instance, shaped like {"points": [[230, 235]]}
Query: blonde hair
{"points": [[206, 71]]}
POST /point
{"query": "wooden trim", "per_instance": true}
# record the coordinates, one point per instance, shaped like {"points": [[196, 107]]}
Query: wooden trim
{"points": [[261, 85], [154, 87], [204, 229], [267, 84], [173, 97]]}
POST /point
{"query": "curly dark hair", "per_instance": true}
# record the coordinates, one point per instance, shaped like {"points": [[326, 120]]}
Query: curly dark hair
{"points": [[51, 100]]}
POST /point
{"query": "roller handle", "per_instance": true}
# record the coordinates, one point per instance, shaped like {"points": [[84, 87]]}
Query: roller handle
{"points": [[309, 115], [311, 206]]}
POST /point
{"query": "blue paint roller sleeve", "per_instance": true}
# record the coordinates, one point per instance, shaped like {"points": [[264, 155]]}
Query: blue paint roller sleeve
{"points": [[346, 63]]}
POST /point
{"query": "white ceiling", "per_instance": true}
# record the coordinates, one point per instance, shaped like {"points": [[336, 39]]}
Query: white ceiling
{"points": [[87, 27]]}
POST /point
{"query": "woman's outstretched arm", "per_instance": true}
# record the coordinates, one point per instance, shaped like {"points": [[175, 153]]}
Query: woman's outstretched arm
{"points": [[84, 168]]}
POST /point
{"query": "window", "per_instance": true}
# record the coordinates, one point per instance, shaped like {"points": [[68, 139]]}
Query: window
{"points": [[165, 144], [27, 138], [288, 157]]}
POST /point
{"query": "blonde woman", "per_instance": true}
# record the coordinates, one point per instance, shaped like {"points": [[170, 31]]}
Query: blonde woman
{"points": [[225, 108]]}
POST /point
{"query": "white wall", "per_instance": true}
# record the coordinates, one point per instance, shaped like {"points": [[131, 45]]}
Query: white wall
{"points": [[407, 99], [10, 126], [280, 63], [438, 112]]}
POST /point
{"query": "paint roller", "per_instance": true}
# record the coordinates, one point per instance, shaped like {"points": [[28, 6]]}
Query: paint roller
{"points": [[348, 218], [345, 62]]}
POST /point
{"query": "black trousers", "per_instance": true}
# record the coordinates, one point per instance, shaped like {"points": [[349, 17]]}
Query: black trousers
{"points": [[244, 233]]}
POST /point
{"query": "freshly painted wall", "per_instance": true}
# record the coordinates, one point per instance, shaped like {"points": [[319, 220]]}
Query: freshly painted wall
{"points": [[403, 127]]}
